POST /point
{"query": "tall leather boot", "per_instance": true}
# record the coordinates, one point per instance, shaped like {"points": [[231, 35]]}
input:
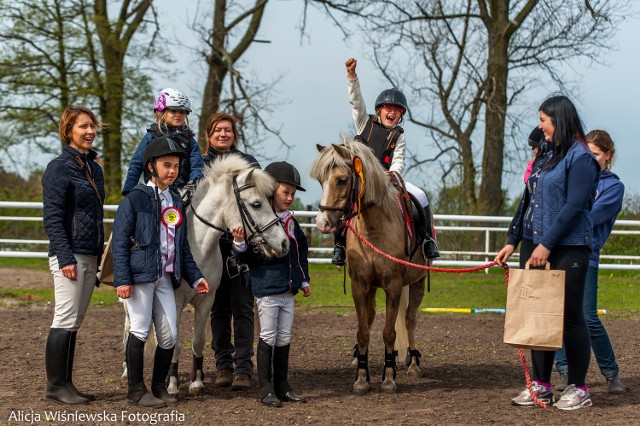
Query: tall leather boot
{"points": [[138, 393], [339, 250], [429, 247], [264, 361], [161, 364], [280, 376], [70, 385], [56, 363]]}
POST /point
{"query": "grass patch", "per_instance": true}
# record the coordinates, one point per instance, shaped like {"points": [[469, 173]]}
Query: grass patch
{"points": [[103, 296], [24, 263], [617, 291]]}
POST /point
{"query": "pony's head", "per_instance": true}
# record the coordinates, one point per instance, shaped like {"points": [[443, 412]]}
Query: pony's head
{"points": [[237, 194], [342, 186]]}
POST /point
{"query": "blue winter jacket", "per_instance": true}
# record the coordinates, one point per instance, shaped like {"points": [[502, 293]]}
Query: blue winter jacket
{"points": [[279, 275], [136, 241], [73, 197], [608, 204], [136, 167], [559, 215]]}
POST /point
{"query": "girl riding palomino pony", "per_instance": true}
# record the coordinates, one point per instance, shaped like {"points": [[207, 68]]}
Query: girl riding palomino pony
{"points": [[356, 191]]}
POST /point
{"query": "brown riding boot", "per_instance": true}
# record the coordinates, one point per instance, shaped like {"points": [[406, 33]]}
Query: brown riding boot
{"points": [[241, 382], [225, 378]]}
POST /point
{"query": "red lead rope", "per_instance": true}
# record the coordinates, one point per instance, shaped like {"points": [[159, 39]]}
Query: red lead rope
{"points": [[457, 271]]}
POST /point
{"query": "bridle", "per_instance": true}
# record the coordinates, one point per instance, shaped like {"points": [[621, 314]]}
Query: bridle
{"points": [[256, 237], [349, 208]]}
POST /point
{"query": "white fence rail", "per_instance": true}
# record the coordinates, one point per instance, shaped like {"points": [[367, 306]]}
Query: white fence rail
{"points": [[449, 258]]}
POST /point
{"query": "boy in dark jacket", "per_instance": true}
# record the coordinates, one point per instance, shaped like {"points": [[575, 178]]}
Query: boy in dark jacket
{"points": [[150, 257], [274, 283]]}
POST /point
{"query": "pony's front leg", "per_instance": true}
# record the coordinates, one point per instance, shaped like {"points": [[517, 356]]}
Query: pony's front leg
{"points": [[365, 311], [182, 297], [389, 337], [202, 304], [416, 293]]}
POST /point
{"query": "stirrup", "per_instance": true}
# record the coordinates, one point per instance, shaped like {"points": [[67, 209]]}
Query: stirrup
{"points": [[339, 255], [430, 249]]}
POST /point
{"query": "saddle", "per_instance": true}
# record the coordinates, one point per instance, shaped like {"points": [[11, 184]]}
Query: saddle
{"points": [[413, 214]]}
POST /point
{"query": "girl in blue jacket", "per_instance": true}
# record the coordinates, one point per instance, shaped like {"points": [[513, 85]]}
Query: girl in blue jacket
{"points": [[150, 257], [171, 108], [607, 205], [275, 282]]}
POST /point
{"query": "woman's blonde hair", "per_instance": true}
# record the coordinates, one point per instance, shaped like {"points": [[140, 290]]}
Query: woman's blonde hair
{"points": [[68, 119]]}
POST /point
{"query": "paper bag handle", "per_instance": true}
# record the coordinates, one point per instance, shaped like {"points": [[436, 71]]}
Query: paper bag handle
{"points": [[547, 266]]}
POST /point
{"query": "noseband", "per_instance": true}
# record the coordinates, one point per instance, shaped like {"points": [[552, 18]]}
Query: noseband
{"points": [[256, 236], [348, 209]]}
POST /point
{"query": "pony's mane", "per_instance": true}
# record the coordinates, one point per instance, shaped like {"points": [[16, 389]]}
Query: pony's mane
{"points": [[378, 189], [222, 169]]}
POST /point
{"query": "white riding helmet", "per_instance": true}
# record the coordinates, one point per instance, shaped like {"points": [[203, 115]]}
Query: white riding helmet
{"points": [[170, 98]]}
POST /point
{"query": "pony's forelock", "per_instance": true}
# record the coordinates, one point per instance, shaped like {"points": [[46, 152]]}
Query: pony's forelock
{"points": [[378, 189]]}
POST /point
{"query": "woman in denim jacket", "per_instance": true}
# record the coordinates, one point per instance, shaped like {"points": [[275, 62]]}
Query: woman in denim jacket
{"points": [[554, 226]]}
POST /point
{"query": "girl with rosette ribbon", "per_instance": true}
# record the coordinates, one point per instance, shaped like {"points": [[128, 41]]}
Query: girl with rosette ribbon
{"points": [[150, 257], [275, 282]]}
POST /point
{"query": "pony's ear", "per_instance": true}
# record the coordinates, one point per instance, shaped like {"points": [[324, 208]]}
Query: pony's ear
{"points": [[344, 152], [320, 148]]}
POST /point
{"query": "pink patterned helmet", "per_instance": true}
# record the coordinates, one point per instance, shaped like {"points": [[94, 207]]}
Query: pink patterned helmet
{"points": [[171, 99]]}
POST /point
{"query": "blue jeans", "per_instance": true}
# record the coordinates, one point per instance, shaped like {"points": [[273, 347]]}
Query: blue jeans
{"points": [[600, 343]]}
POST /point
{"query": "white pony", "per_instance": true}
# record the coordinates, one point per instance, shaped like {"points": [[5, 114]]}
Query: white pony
{"points": [[231, 193]]}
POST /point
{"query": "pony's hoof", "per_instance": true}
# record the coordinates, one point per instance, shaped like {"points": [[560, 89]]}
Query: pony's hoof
{"points": [[361, 388], [414, 372], [389, 386], [173, 387], [196, 389]]}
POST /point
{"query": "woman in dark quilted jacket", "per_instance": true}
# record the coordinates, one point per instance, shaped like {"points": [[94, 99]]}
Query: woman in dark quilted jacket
{"points": [[73, 196]]}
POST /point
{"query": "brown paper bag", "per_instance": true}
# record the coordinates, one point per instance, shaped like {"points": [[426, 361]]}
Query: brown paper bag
{"points": [[535, 308], [105, 273]]}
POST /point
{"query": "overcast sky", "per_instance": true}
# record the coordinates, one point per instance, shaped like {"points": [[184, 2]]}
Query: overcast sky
{"points": [[314, 81]]}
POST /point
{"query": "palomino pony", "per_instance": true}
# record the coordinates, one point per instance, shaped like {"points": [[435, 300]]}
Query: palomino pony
{"points": [[231, 193], [380, 221]]}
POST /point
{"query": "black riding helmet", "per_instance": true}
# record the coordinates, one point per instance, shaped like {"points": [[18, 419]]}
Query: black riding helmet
{"points": [[536, 137], [162, 145], [392, 97], [284, 172]]}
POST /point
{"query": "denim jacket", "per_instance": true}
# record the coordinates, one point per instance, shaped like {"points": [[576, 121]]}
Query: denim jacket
{"points": [[550, 227]]}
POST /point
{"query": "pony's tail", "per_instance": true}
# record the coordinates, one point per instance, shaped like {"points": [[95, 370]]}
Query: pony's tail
{"points": [[402, 336]]}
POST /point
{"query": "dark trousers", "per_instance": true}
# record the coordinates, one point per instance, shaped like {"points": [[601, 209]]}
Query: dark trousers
{"points": [[233, 305], [574, 260]]}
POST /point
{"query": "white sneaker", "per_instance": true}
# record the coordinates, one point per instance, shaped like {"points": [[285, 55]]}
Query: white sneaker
{"points": [[573, 398], [544, 394]]}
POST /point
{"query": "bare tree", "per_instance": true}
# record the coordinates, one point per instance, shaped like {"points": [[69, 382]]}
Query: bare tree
{"points": [[467, 63], [233, 30]]}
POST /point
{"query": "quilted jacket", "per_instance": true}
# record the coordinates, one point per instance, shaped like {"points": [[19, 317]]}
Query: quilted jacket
{"points": [[73, 196], [136, 241]]}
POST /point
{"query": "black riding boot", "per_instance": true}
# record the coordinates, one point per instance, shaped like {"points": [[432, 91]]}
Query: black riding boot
{"points": [[161, 364], [429, 247], [267, 394], [70, 385], [57, 364], [339, 251], [280, 376], [138, 393]]}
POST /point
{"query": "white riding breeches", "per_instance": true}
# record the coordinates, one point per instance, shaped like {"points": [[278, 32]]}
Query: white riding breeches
{"points": [[72, 297], [418, 193], [276, 318], [154, 302]]}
